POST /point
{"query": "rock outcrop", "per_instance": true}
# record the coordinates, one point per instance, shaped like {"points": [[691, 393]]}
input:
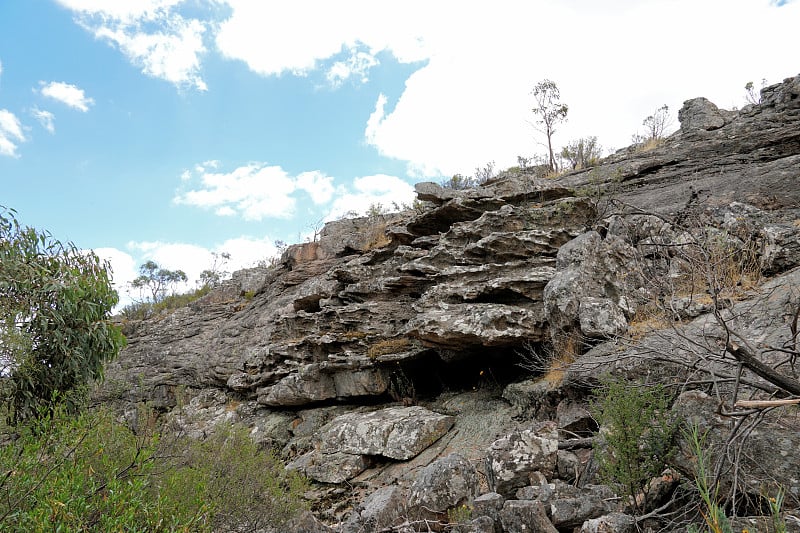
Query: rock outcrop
{"points": [[373, 354]]}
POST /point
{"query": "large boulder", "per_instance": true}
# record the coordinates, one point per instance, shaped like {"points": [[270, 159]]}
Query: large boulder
{"points": [[511, 460], [336, 467], [590, 292], [382, 509], [524, 516], [701, 114], [610, 523], [395, 432], [771, 446], [445, 484]]}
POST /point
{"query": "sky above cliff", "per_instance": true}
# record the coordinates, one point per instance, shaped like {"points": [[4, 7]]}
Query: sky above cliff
{"points": [[168, 129]]}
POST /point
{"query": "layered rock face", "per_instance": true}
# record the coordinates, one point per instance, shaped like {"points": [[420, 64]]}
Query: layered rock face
{"points": [[397, 309]]}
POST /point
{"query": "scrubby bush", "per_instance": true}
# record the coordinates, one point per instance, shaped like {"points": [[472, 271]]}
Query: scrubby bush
{"points": [[55, 328], [90, 473], [638, 436]]}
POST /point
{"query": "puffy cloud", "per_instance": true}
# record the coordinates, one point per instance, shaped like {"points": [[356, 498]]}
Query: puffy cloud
{"points": [[191, 258], [277, 37], [150, 33], [358, 65], [172, 54], [473, 95], [254, 191], [317, 185], [10, 133], [45, 118], [121, 10], [478, 61], [67, 93], [367, 191]]}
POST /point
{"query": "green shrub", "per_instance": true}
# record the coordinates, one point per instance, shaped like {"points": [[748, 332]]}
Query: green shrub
{"points": [[86, 473], [55, 328], [638, 438], [90, 473], [147, 309], [246, 488]]}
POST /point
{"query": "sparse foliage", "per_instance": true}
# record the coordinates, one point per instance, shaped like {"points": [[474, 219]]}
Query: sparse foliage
{"points": [[212, 276], [655, 126], [55, 328], [157, 281], [550, 112], [583, 153], [638, 436], [751, 95], [461, 182], [485, 173], [88, 472], [458, 182]]}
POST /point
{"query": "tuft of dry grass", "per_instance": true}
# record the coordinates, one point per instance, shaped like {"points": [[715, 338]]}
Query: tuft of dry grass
{"points": [[388, 346], [566, 351], [648, 145], [353, 335], [375, 236]]}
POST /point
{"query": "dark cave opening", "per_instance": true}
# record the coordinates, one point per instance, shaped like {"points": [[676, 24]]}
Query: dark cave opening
{"points": [[435, 372]]}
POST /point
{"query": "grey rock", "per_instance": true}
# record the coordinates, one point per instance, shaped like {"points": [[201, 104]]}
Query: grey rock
{"points": [[510, 460], [524, 516], [382, 509], [572, 512], [481, 524], [569, 465], [335, 467], [479, 274], [444, 484], [692, 306], [489, 504], [610, 523], [307, 523], [700, 114], [395, 432], [770, 447], [601, 318], [306, 386], [586, 292], [574, 419]]}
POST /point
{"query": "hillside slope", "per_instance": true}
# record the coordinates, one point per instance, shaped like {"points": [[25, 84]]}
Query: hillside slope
{"points": [[427, 326]]}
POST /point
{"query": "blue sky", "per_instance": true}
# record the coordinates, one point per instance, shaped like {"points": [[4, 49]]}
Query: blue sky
{"points": [[168, 129]]}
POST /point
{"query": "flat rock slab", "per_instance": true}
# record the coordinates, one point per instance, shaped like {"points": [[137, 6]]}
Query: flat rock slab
{"points": [[329, 467], [396, 432]]}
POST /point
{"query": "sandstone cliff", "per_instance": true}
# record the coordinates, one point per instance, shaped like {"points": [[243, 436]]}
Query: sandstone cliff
{"points": [[394, 341]]}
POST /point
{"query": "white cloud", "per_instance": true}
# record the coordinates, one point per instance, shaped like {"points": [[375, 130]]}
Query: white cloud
{"points": [[358, 64], [122, 10], [368, 191], [473, 95], [10, 133], [123, 270], [470, 102], [68, 94], [254, 191], [193, 259], [150, 33], [273, 38], [45, 118], [172, 54], [317, 185]]}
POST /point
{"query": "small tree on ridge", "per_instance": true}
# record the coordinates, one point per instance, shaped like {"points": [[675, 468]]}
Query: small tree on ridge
{"points": [[550, 112]]}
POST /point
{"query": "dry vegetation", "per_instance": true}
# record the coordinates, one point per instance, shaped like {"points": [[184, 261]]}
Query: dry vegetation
{"points": [[388, 346]]}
